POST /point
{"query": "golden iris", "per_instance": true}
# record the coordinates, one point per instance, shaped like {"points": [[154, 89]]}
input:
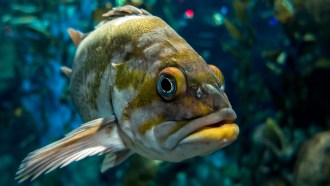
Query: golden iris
{"points": [[171, 83]]}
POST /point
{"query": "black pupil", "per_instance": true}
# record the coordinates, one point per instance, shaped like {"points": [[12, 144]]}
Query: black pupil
{"points": [[166, 85]]}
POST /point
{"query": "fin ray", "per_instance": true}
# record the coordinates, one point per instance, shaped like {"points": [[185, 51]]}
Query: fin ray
{"points": [[124, 11], [118, 12], [66, 71], [92, 138], [76, 36]]}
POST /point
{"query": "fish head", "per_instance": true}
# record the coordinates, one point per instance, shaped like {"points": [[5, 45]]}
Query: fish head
{"points": [[169, 102]]}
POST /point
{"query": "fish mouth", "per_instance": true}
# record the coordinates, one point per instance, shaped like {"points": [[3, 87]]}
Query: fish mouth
{"points": [[213, 127]]}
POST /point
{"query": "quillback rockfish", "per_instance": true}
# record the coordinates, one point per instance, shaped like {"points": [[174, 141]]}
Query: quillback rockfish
{"points": [[142, 89]]}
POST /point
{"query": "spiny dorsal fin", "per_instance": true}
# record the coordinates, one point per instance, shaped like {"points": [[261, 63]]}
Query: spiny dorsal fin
{"points": [[76, 36], [116, 65], [66, 71], [121, 12], [125, 11], [93, 138]]}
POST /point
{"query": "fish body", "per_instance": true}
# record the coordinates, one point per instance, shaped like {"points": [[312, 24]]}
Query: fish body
{"points": [[142, 89]]}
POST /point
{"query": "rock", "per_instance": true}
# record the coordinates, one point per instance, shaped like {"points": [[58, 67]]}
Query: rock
{"points": [[313, 162]]}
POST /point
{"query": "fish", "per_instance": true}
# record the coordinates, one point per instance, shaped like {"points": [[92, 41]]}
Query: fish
{"points": [[141, 89]]}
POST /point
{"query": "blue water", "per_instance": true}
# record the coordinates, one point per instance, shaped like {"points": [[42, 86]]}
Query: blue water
{"points": [[276, 67]]}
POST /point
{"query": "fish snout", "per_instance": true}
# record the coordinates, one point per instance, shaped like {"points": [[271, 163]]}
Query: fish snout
{"points": [[213, 96]]}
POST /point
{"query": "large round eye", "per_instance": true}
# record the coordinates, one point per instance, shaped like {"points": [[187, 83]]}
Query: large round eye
{"points": [[218, 73], [171, 83]]}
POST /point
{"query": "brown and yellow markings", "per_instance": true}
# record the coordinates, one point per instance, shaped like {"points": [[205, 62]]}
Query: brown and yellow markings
{"points": [[147, 93], [94, 86], [128, 77], [196, 107], [149, 124], [129, 28], [202, 76], [104, 55]]}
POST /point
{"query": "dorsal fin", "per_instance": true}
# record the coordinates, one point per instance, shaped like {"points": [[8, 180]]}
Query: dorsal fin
{"points": [[66, 71], [121, 12], [125, 11], [76, 36]]}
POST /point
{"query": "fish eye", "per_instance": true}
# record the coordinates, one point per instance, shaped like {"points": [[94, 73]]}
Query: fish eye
{"points": [[166, 86], [218, 73], [171, 83]]}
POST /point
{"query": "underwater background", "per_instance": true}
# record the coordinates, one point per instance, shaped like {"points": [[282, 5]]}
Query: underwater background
{"points": [[275, 57]]}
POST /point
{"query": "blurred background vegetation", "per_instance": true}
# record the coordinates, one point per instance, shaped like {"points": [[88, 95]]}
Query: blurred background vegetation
{"points": [[274, 55]]}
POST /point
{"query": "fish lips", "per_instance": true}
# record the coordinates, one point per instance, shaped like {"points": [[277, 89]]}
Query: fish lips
{"points": [[169, 135]]}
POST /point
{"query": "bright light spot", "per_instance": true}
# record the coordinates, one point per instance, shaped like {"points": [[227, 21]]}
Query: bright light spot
{"points": [[218, 19], [120, 2], [224, 10], [189, 14]]}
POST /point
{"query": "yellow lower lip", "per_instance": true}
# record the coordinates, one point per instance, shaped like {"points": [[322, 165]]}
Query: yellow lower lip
{"points": [[225, 132]]}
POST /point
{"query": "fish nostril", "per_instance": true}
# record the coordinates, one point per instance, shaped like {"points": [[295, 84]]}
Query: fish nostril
{"points": [[199, 93], [213, 96], [204, 90]]}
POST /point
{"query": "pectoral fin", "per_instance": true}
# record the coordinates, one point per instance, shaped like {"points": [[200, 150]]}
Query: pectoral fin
{"points": [[113, 159], [92, 138]]}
